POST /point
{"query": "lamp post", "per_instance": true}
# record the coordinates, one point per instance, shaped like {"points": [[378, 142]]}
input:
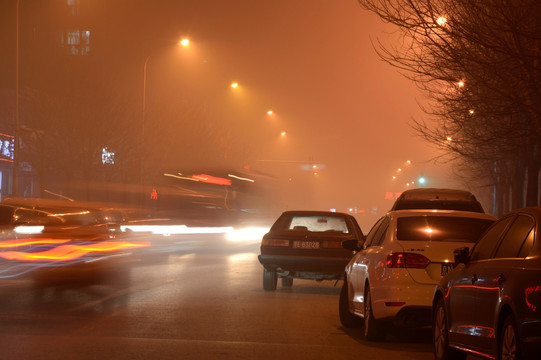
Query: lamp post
{"points": [[16, 138], [184, 43]]}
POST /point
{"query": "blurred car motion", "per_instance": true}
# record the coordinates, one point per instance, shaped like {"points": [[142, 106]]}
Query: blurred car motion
{"points": [[392, 277], [63, 243], [490, 304], [433, 198], [307, 245]]}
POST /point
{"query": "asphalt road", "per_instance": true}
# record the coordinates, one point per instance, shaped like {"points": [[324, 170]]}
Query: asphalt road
{"points": [[200, 299]]}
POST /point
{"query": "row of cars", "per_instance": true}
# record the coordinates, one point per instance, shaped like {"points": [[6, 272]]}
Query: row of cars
{"points": [[436, 259]]}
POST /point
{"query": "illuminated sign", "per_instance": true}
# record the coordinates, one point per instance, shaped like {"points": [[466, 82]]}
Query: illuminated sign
{"points": [[7, 147], [107, 157]]}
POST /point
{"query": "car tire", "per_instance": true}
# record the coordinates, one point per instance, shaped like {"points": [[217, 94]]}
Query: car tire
{"points": [[508, 344], [440, 335], [372, 329], [270, 279], [287, 282], [347, 319]]}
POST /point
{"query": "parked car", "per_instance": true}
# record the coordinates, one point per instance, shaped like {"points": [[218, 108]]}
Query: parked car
{"points": [[307, 245], [490, 304], [392, 277], [432, 198]]}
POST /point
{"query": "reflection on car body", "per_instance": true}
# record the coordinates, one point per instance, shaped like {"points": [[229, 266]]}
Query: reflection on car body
{"points": [[406, 253], [490, 305], [307, 245]]}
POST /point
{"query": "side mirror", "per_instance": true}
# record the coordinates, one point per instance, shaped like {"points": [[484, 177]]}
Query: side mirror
{"points": [[352, 245], [462, 255]]}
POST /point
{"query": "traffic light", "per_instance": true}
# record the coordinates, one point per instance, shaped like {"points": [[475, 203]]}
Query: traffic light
{"points": [[421, 180]]}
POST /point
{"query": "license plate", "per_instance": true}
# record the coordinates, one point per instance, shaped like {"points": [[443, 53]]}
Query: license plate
{"points": [[445, 268], [306, 244]]}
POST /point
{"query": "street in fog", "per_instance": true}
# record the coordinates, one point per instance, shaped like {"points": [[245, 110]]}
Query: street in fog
{"points": [[203, 301]]}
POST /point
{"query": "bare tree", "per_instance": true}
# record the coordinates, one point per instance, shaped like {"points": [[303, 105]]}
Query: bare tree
{"points": [[478, 63]]}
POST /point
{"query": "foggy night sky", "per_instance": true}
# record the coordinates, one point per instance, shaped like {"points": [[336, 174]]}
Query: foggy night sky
{"points": [[340, 104], [310, 61]]}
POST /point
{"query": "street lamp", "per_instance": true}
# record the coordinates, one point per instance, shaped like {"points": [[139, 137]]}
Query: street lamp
{"points": [[16, 115], [184, 43]]}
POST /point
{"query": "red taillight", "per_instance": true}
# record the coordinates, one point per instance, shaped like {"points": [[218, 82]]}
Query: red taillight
{"points": [[332, 244], [275, 242], [407, 260]]}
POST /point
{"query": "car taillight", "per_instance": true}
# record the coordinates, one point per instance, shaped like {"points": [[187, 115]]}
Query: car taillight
{"points": [[407, 260], [275, 242], [332, 244]]}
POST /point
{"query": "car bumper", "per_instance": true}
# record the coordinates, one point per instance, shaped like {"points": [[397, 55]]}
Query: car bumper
{"points": [[293, 264], [405, 304], [531, 339]]}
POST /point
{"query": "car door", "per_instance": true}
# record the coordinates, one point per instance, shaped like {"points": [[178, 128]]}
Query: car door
{"points": [[462, 287], [493, 274], [361, 261]]}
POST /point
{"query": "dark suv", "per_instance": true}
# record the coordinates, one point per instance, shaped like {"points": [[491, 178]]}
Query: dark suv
{"points": [[432, 198]]}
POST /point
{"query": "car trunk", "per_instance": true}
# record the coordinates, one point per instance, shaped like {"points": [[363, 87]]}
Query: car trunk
{"points": [[440, 254]]}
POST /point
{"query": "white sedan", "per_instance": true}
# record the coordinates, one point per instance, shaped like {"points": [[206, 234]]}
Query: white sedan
{"points": [[392, 277]]}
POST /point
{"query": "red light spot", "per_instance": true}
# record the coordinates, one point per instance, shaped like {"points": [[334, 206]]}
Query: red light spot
{"points": [[212, 179]]}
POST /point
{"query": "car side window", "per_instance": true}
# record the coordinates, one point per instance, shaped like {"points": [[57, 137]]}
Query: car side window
{"points": [[377, 234], [515, 237], [485, 246], [372, 233], [527, 245], [380, 236]]}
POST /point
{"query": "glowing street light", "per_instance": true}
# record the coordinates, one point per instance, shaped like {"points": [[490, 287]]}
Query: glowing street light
{"points": [[283, 133], [269, 112], [234, 85], [184, 42], [460, 84], [441, 21]]}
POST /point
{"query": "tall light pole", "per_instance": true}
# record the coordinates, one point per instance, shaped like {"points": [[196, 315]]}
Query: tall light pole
{"points": [[16, 138], [184, 43]]}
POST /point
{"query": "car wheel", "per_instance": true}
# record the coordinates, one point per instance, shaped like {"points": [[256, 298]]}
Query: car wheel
{"points": [[287, 282], [442, 351], [347, 319], [508, 344], [270, 279], [372, 330]]}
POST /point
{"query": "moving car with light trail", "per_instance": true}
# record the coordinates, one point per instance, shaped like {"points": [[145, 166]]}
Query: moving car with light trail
{"points": [[393, 276], [63, 244], [307, 245]]}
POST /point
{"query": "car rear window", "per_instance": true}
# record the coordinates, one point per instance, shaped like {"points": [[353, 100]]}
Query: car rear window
{"points": [[314, 224], [441, 228]]}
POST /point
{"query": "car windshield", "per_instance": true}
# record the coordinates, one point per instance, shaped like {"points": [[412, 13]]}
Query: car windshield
{"points": [[314, 223], [441, 228]]}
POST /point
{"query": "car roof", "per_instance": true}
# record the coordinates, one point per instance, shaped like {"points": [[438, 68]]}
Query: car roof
{"points": [[314, 212], [437, 194], [435, 198]]}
